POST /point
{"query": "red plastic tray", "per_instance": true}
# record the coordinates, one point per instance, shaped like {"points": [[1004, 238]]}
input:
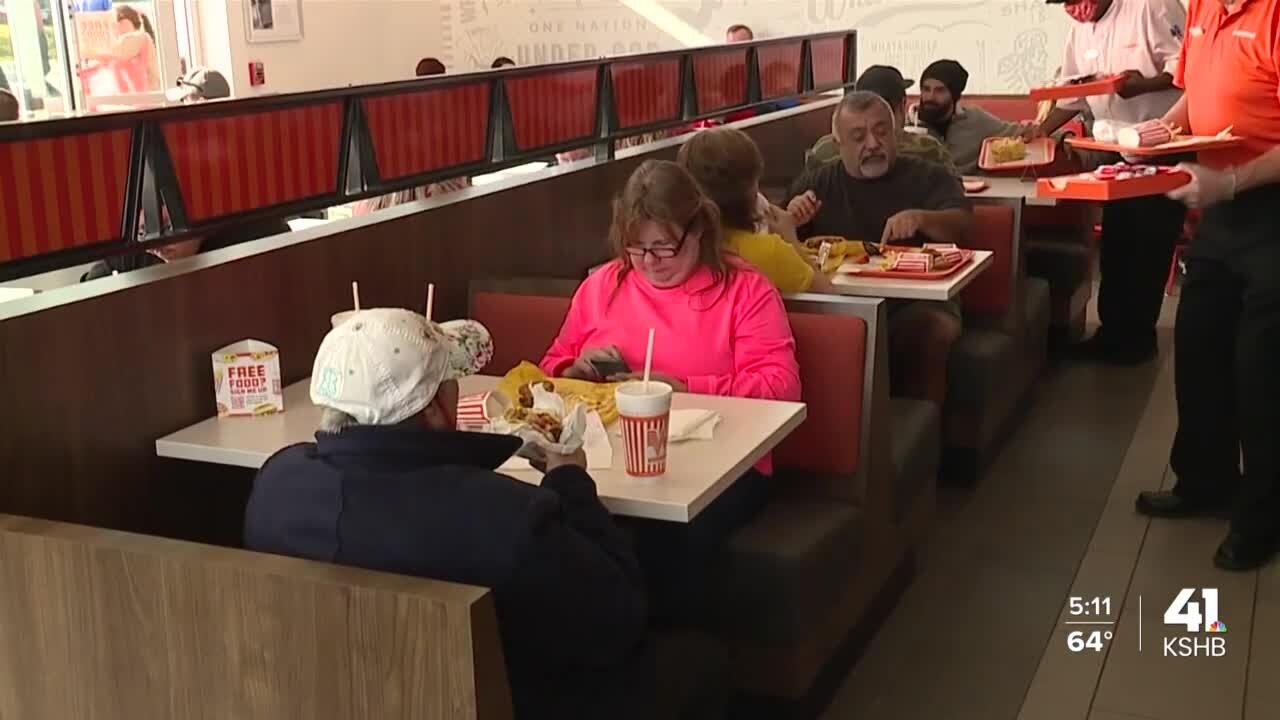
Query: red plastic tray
{"points": [[967, 257], [1087, 187], [1040, 152], [1105, 86], [1188, 144]]}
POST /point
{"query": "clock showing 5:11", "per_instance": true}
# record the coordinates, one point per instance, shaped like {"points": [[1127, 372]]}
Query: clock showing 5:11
{"points": [[1090, 607]]}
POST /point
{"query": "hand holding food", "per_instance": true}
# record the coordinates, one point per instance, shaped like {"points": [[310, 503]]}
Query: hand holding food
{"points": [[803, 208], [548, 461], [584, 368], [1030, 130]]}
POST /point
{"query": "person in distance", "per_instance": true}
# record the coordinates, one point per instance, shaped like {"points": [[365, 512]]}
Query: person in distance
{"points": [[390, 485]]}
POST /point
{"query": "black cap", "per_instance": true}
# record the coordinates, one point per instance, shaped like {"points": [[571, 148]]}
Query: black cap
{"points": [[950, 73], [885, 81]]}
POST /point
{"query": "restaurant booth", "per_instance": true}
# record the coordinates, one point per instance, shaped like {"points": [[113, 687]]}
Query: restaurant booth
{"points": [[138, 553]]}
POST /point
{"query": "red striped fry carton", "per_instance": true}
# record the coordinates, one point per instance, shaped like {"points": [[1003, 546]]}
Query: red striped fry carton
{"points": [[476, 411], [913, 262]]}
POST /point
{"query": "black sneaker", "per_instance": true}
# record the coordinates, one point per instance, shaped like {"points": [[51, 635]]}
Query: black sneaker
{"points": [[1168, 504], [1241, 552], [1098, 349]]}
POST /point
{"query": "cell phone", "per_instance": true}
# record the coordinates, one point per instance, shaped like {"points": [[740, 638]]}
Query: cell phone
{"points": [[607, 368]]}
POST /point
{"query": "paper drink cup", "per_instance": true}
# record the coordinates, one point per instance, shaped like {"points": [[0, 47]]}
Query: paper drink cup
{"points": [[645, 417], [1145, 134], [475, 412]]}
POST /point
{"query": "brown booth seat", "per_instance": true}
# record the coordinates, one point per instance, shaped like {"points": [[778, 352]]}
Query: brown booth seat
{"points": [[1003, 346], [800, 576], [150, 627]]}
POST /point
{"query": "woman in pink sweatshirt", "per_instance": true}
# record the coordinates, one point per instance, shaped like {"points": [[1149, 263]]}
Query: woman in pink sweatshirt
{"points": [[720, 329], [720, 326]]}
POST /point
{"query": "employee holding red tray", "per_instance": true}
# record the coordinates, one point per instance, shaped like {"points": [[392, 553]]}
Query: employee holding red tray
{"points": [[1227, 342], [1139, 39]]}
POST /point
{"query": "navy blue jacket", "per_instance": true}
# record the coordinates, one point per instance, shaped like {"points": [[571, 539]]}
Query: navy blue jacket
{"points": [[408, 500]]}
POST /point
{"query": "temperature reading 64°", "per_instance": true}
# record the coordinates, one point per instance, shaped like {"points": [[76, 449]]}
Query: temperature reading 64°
{"points": [[1093, 640]]}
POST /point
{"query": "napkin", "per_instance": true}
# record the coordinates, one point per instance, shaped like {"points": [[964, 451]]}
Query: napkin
{"points": [[692, 425], [595, 443]]}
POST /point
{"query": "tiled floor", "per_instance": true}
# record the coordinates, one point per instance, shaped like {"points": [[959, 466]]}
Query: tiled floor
{"points": [[980, 634]]}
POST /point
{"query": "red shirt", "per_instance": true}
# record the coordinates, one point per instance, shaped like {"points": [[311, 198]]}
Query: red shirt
{"points": [[1230, 69]]}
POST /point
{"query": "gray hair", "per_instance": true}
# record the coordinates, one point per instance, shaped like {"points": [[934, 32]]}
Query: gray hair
{"points": [[859, 101], [335, 421]]}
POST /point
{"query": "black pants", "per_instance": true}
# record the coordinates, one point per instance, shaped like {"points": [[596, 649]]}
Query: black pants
{"points": [[1138, 239], [1227, 357], [676, 557]]}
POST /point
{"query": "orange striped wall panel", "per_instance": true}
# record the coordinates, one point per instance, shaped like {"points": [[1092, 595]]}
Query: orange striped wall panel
{"points": [[646, 92], [779, 69], [417, 132], [553, 107], [827, 56], [62, 192], [227, 165], [720, 79]]}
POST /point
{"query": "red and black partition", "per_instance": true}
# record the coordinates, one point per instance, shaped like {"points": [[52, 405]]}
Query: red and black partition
{"points": [[84, 188]]}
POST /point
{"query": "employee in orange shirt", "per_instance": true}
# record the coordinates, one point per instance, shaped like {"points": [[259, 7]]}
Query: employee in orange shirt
{"points": [[1227, 351]]}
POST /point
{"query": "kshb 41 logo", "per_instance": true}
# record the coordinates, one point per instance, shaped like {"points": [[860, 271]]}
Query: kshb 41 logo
{"points": [[1185, 610]]}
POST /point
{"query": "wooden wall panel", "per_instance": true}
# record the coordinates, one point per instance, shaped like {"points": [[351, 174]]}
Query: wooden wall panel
{"points": [[90, 385], [96, 623]]}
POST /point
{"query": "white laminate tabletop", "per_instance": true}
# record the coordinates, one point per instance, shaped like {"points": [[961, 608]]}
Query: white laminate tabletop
{"points": [[1011, 188], [698, 471], [940, 290]]}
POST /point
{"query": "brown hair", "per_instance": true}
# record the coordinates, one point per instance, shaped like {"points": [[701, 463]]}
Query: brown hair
{"points": [[9, 108], [727, 164], [136, 19], [663, 192], [429, 66]]}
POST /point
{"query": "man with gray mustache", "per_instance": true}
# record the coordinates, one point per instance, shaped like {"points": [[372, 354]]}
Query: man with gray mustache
{"points": [[875, 195]]}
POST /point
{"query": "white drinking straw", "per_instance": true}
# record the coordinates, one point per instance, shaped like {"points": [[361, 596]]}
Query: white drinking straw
{"points": [[648, 361], [431, 299], [355, 295]]}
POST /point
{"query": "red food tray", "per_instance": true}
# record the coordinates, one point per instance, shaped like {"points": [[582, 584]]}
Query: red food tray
{"points": [[1040, 152], [1105, 86], [1185, 144], [855, 270], [1087, 187]]}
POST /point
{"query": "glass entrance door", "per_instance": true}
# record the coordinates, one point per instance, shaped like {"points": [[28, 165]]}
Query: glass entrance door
{"points": [[123, 54], [31, 56]]}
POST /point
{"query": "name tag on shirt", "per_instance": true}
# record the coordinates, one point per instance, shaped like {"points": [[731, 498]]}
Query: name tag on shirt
{"points": [[1247, 34]]}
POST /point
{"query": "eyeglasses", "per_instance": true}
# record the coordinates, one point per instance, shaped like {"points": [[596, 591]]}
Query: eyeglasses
{"points": [[661, 252]]}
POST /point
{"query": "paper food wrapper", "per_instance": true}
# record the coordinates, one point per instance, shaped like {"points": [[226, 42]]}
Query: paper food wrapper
{"points": [[573, 426], [595, 443], [246, 379]]}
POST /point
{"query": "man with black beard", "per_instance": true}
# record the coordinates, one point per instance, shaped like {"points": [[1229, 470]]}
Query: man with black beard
{"points": [[961, 128], [875, 195]]}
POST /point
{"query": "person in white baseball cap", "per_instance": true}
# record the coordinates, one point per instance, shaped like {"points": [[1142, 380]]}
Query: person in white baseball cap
{"points": [[390, 484]]}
